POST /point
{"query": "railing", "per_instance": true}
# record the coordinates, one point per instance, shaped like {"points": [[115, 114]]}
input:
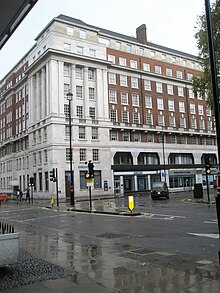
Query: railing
{"points": [[6, 229]]}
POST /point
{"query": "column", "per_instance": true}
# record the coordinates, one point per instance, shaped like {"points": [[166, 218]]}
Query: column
{"points": [[37, 98], [53, 86], [43, 92], [135, 183], [121, 185], [86, 92], [47, 91], [60, 87], [102, 94], [73, 89], [31, 99]]}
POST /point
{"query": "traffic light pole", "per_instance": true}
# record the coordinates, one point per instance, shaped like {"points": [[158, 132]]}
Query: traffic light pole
{"points": [[56, 172], [90, 197], [207, 183]]}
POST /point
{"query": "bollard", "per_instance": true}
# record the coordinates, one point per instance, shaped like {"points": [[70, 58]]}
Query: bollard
{"points": [[52, 200], [131, 202]]}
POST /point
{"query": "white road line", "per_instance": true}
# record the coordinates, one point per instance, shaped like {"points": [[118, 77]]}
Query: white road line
{"points": [[214, 236], [209, 222]]}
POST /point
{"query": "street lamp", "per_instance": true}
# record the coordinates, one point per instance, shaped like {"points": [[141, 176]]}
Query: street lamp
{"points": [[72, 200]]}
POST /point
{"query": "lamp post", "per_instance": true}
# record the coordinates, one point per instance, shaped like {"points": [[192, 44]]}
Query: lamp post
{"points": [[215, 92], [72, 200]]}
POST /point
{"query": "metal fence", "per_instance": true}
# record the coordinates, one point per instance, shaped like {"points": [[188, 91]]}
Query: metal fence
{"points": [[6, 228]]}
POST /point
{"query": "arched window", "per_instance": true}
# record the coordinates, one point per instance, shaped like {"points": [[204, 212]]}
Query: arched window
{"points": [[123, 158], [180, 159], [148, 159]]}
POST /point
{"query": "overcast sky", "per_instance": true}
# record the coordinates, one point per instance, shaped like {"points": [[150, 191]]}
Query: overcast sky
{"points": [[169, 22]]}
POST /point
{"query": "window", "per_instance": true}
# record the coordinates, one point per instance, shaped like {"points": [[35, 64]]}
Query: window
{"points": [[169, 72], [193, 65], [82, 132], [128, 48], [201, 124], [82, 34], [137, 136], [200, 109], [171, 105], [79, 72], [133, 64], [146, 67], [152, 54], [91, 93], [113, 115], [45, 156], [82, 155], [92, 113], [159, 87], [141, 51], [172, 122], [193, 123], [91, 74], [66, 70], [136, 118], [181, 107], [149, 119], [122, 61], [208, 112], [79, 50], [180, 91], [160, 120], [179, 74], [39, 158], [158, 69], [126, 136], [124, 98], [79, 91], [134, 82], [192, 109], [183, 139], [182, 122], [113, 135], [174, 60], [95, 154], [46, 181], [66, 111], [111, 58], [170, 89], [34, 159], [118, 45], [191, 93], [112, 78], [135, 100], [160, 104], [123, 80], [69, 31], [125, 117], [79, 111], [147, 85], [92, 52], [67, 47], [209, 125], [112, 96], [66, 89], [173, 138], [95, 133], [189, 76], [148, 102]]}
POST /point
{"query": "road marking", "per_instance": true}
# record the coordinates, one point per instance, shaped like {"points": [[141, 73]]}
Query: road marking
{"points": [[209, 222], [214, 236], [163, 217]]}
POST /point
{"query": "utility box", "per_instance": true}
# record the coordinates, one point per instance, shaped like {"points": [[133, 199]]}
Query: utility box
{"points": [[198, 190]]}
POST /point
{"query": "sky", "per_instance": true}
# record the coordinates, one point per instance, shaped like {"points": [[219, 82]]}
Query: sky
{"points": [[170, 23]]}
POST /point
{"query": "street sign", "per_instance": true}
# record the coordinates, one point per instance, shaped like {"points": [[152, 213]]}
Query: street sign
{"points": [[131, 202]]}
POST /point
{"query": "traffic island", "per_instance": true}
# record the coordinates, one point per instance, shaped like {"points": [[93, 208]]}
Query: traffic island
{"points": [[116, 213]]}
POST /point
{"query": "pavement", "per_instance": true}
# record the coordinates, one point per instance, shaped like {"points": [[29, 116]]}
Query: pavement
{"points": [[121, 267]]}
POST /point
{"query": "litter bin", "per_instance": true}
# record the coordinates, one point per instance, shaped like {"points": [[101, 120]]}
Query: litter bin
{"points": [[198, 191]]}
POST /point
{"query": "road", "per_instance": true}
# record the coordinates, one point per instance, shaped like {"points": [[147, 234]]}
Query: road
{"points": [[176, 231]]}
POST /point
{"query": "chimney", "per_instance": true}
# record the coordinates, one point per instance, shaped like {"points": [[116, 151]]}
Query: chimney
{"points": [[141, 34]]}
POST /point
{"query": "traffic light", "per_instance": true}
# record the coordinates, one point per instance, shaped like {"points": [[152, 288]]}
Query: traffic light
{"points": [[91, 169], [207, 164], [52, 175]]}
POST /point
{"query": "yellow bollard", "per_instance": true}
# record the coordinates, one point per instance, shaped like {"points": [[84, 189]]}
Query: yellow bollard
{"points": [[52, 200], [131, 202]]}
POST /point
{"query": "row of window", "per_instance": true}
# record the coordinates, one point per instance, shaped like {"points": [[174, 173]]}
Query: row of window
{"points": [[127, 135], [149, 68], [83, 155], [130, 48]]}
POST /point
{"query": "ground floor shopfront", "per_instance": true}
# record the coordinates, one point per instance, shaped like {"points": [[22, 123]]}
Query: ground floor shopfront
{"points": [[177, 179]]}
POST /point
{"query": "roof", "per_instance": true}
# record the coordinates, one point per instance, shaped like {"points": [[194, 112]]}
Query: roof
{"points": [[125, 37]]}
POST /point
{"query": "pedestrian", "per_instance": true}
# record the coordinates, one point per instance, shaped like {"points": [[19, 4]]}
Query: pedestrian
{"points": [[18, 194], [21, 195], [28, 195]]}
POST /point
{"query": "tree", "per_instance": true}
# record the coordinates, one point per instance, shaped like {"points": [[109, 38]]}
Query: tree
{"points": [[202, 83]]}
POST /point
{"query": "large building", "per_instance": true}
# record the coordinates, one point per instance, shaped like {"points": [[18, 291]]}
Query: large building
{"points": [[134, 113]]}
